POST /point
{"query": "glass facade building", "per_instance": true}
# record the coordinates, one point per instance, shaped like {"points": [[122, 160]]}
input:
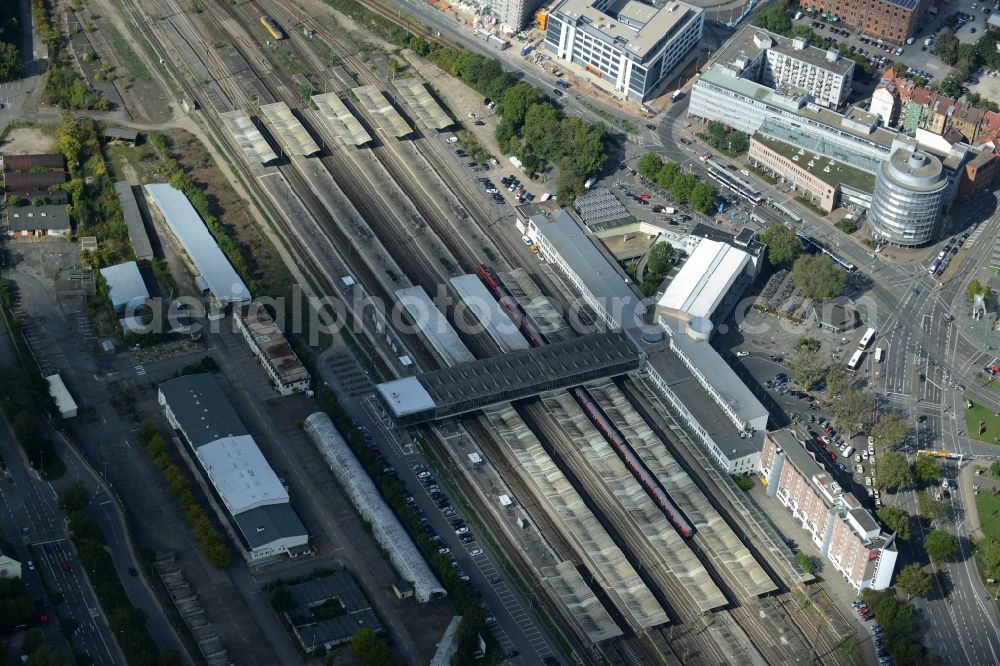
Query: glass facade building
{"points": [[910, 191]]}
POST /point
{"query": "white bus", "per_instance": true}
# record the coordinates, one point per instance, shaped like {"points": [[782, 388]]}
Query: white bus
{"points": [[866, 339], [879, 354], [855, 361]]}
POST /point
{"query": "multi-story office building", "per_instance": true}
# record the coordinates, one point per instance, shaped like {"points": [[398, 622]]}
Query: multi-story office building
{"points": [[910, 191], [890, 20], [632, 44], [776, 61], [836, 523]]}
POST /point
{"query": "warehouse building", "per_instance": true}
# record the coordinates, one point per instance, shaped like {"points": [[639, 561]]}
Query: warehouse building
{"points": [[50, 220], [328, 611], [631, 44], [126, 288], [242, 480], [836, 523]]}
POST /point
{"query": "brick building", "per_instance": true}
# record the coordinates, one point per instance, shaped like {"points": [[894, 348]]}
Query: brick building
{"points": [[843, 531], [891, 20]]}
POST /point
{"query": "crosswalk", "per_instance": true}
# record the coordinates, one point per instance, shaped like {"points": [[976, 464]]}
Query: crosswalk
{"points": [[139, 370]]}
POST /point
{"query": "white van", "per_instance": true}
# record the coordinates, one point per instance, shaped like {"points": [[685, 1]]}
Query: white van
{"points": [[848, 452]]}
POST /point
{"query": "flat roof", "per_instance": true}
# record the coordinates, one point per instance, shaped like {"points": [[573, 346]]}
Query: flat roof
{"points": [[337, 585], [338, 629], [133, 221], [29, 162], [271, 342], [340, 120], [434, 325], [29, 218], [745, 44], [639, 27], [600, 209], [387, 119], [426, 108], [125, 285], [121, 133], [733, 392], [240, 473], [263, 525], [480, 302], [591, 266], [213, 265], [705, 278], [255, 147], [64, 400], [518, 374], [291, 133], [201, 408], [830, 171]]}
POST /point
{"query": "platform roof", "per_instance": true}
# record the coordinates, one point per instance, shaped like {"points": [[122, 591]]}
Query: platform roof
{"points": [[125, 285], [419, 98], [248, 137], [291, 133], [705, 278], [185, 223], [133, 221], [434, 326], [340, 120], [583, 605], [520, 374], [480, 302], [386, 117]]}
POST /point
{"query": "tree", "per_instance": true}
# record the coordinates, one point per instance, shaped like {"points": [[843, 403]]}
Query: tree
{"points": [[946, 47], [10, 61], [891, 472], [367, 647], [808, 367], [817, 277], [783, 246], [988, 556], [805, 562], [976, 287], [940, 546], [703, 196], [281, 599], [836, 382], [890, 430], [912, 580], [168, 657], [926, 469], [24, 428], [33, 639], [895, 520], [805, 342], [74, 497], [516, 101], [661, 257], [853, 412], [649, 165], [146, 432], [775, 18]]}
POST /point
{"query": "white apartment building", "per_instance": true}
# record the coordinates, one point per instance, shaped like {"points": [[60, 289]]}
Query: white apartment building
{"points": [[776, 62], [634, 44], [514, 14], [843, 531]]}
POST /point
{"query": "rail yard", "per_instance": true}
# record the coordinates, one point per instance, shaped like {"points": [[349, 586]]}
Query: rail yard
{"points": [[658, 562]]}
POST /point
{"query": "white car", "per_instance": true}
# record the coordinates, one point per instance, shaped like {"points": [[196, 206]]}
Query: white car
{"points": [[859, 469], [476, 552], [31, 565], [472, 115], [445, 550], [452, 139], [527, 241], [423, 475], [742, 354], [462, 530]]}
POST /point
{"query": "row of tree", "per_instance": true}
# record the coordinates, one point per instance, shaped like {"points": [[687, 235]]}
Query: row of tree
{"points": [[211, 540], [816, 276], [725, 139], [64, 86], [683, 187], [965, 59], [127, 622]]}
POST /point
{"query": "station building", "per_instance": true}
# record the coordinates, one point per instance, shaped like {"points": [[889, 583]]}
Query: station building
{"points": [[631, 44], [845, 533]]}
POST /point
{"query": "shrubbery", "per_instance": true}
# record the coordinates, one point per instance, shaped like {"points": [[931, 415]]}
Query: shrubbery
{"points": [[63, 85], [212, 541]]}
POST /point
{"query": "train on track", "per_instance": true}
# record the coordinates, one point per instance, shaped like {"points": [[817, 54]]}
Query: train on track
{"points": [[272, 27], [589, 405]]}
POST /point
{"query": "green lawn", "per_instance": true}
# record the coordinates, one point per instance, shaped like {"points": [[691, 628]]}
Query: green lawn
{"points": [[988, 508], [991, 429]]}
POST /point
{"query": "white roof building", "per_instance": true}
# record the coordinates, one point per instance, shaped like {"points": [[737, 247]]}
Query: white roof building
{"points": [[705, 279], [64, 401], [185, 223], [126, 288], [240, 474]]}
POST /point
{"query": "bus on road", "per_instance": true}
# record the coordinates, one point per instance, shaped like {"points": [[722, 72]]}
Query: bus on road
{"points": [[866, 339], [855, 361]]}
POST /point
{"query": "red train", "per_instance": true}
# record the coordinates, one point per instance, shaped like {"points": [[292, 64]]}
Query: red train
{"points": [[589, 405], [513, 309]]}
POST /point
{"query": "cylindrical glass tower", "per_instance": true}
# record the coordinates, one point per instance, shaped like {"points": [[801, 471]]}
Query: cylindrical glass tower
{"points": [[909, 194]]}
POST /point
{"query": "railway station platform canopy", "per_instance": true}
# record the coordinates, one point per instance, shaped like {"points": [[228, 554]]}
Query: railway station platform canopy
{"points": [[248, 137], [419, 98], [340, 120], [386, 117], [291, 133], [470, 386]]}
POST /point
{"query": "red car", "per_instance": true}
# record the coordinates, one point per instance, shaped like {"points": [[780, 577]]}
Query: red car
{"points": [[644, 197], [827, 428], [832, 455], [822, 445], [43, 619], [65, 566]]}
